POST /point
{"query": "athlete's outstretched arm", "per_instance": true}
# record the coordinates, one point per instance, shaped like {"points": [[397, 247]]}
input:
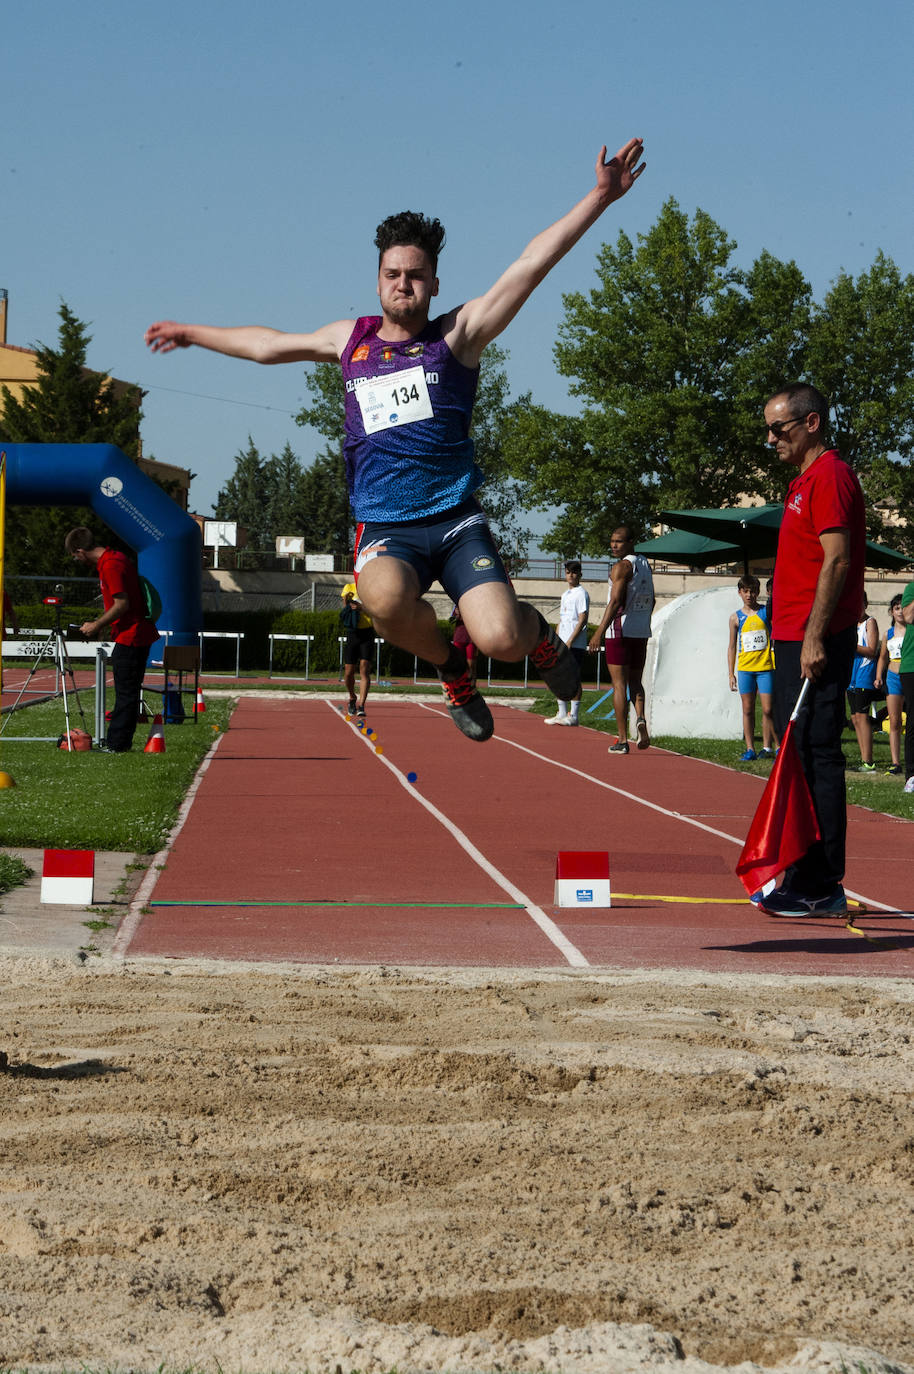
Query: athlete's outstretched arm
{"points": [[478, 322], [255, 342]]}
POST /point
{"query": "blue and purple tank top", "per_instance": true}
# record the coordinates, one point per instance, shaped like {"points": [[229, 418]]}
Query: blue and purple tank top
{"points": [[407, 442]]}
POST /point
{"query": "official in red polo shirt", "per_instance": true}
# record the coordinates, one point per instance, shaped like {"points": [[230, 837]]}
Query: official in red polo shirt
{"points": [[818, 599], [125, 619]]}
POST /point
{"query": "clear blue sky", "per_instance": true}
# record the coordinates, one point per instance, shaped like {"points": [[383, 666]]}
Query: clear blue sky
{"points": [[228, 163]]}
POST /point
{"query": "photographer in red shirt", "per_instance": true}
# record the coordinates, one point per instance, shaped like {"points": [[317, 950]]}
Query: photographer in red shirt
{"points": [[125, 620]]}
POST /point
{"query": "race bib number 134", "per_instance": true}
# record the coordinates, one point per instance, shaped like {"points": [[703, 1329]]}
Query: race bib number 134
{"points": [[398, 399]]}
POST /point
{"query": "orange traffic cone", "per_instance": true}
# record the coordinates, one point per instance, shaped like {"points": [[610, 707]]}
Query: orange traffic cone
{"points": [[156, 741], [201, 704]]}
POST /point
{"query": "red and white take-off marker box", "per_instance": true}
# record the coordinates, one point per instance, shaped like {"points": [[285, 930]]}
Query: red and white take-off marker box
{"points": [[582, 878], [68, 876]]}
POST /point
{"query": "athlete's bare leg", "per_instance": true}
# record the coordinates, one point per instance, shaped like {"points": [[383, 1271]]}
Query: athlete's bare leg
{"points": [[349, 680], [389, 591], [618, 675], [499, 625], [364, 681]]}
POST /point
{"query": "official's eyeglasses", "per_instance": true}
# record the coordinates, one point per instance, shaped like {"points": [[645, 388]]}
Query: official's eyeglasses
{"points": [[779, 427]]}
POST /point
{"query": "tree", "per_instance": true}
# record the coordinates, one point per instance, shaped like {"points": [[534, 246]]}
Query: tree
{"points": [[276, 495], [327, 504], [326, 519], [284, 476], [501, 495], [69, 404], [670, 354], [861, 355], [246, 496]]}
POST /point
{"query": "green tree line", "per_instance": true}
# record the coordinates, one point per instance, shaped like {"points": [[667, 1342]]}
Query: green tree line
{"points": [[669, 358]]}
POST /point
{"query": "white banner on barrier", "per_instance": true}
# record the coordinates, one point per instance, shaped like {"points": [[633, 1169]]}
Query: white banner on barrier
{"points": [[41, 644]]}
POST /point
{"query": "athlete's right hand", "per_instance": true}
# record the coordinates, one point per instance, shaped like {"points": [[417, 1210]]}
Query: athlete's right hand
{"points": [[165, 335]]}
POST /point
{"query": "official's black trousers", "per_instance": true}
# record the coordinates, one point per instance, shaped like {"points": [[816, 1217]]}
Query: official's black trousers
{"points": [[818, 737], [128, 665]]}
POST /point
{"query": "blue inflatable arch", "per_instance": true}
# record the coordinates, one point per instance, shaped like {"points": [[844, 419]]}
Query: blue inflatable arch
{"points": [[164, 537]]}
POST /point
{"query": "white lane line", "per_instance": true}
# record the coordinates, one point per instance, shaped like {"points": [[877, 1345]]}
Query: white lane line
{"points": [[549, 928], [130, 924], [609, 787], [663, 810], [620, 791]]}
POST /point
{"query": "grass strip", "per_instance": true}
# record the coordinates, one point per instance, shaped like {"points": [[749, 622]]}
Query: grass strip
{"points": [[126, 802], [13, 871]]}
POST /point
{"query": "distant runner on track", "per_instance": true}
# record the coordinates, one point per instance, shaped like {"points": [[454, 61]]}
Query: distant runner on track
{"points": [[410, 387]]}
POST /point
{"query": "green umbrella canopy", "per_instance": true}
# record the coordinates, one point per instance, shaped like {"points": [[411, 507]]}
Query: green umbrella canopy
{"points": [[754, 531], [694, 550]]}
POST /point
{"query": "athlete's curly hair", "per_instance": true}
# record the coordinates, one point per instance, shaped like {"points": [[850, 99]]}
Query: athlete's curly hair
{"points": [[410, 229]]}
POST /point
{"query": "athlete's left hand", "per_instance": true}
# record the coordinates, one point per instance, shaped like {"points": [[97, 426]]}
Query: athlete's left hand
{"points": [[616, 175]]}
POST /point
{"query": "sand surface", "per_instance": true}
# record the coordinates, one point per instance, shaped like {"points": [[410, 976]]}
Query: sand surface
{"points": [[235, 1168]]}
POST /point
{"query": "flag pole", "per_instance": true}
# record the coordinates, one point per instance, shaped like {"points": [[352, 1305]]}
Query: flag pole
{"points": [[5, 779], [807, 683]]}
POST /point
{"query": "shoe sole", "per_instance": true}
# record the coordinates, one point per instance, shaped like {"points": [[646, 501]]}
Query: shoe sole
{"points": [[644, 739], [478, 731]]}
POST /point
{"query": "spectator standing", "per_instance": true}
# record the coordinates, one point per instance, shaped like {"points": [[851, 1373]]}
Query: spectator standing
{"points": [[626, 625], [888, 679], [573, 613], [862, 691], [358, 648], [750, 662], [906, 673], [125, 618]]}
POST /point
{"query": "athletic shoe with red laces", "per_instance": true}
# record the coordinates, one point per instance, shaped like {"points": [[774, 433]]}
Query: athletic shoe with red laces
{"points": [[466, 707], [555, 665]]}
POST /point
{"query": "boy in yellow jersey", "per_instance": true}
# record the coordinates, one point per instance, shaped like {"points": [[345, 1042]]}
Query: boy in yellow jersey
{"points": [[750, 660]]}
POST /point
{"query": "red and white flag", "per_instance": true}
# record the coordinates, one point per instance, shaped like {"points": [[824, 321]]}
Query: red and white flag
{"points": [[784, 825]]}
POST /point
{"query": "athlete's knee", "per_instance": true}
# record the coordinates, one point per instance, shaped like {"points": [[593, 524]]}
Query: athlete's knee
{"points": [[390, 602], [504, 640], [500, 632]]}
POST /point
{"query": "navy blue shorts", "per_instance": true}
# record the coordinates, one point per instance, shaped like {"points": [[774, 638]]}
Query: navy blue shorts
{"points": [[455, 548]]}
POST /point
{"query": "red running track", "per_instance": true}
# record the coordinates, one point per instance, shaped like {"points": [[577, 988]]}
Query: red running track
{"points": [[303, 843]]}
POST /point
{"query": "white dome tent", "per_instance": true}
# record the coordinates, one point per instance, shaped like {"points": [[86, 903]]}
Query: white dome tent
{"points": [[686, 683]]}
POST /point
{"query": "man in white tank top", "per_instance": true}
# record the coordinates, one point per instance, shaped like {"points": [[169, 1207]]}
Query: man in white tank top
{"points": [[624, 632]]}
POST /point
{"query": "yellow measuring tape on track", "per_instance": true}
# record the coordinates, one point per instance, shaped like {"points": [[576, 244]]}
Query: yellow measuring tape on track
{"points": [[695, 901], [861, 910]]}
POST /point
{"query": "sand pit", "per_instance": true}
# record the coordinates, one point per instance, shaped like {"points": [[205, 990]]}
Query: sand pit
{"points": [[304, 1169]]}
